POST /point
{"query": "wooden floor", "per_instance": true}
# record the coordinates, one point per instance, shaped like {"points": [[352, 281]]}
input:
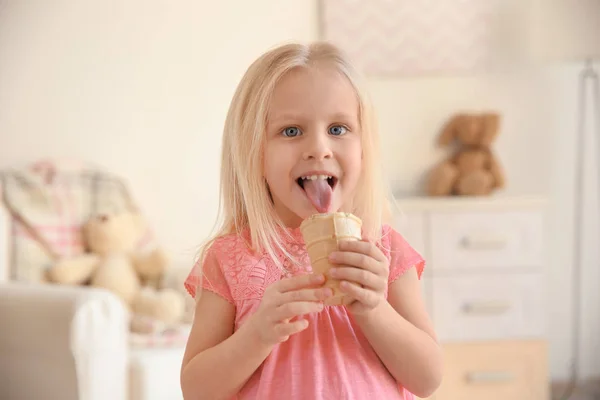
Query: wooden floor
{"points": [[589, 390]]}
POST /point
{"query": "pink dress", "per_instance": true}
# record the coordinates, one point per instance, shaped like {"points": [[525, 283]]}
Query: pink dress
{"points": [[331, 359]]}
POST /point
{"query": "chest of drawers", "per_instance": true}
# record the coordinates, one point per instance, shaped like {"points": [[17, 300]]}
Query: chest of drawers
{"points": [[484, 289]]}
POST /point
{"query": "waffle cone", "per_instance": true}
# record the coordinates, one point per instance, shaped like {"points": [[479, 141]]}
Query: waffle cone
{"points": [[322, 234]]}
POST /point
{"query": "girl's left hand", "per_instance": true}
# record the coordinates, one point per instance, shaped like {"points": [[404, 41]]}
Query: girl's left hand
{"points": [[363, 273]]}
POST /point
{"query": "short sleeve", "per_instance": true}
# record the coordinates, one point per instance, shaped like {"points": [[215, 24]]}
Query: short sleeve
{"points": [[402, 255], [208, 275]]}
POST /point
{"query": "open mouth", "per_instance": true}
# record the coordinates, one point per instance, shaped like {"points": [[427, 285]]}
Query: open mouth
{"points": [[319, 190], [331, 180]]}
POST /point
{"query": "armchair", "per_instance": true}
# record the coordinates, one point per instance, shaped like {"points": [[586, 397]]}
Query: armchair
{"points": [[73, 343]]}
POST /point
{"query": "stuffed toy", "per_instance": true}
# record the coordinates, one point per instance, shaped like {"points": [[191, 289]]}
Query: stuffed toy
{"points": [[122, 259], [472, 170]]}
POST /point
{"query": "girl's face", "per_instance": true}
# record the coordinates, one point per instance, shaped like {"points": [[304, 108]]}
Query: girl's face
{"points": [[312, 132]]}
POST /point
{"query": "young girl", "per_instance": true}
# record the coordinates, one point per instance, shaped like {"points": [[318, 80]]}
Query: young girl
{"points": [[299, 140]]}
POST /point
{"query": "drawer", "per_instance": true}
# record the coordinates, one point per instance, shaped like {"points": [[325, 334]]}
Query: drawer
{"points": [[515, 370], [487, 307], [486, 239]]}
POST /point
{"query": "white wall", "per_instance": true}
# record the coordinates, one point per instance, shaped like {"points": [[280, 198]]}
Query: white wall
{"points": [[142, 88]]}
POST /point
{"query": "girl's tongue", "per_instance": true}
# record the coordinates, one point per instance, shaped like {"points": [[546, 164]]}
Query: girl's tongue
{"points": [[319, 193]]}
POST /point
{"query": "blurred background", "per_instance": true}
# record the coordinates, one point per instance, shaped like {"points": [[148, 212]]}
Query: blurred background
{"points": [[140, 89]]}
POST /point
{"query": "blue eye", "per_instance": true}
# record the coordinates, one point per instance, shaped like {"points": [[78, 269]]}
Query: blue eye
{"points": [[337, 130], [291, 131]]}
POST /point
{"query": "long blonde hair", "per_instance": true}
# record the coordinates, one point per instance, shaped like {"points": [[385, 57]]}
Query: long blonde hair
{"points": [[245, 202]]}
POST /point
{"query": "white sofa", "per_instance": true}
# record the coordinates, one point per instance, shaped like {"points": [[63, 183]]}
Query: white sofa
{"points": [[72, 343]]}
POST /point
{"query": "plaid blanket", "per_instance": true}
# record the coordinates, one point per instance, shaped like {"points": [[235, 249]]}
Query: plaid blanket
{"points": [[49, 201]]}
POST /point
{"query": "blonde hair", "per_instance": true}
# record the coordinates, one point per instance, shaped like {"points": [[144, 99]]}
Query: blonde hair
{"points": [[245, 202]]}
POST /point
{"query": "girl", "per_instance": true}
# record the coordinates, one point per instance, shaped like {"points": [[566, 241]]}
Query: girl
{"points": [[298, 140]]}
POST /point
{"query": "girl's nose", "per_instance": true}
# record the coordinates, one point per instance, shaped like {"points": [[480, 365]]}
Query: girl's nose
{"points": [[317, 148]]}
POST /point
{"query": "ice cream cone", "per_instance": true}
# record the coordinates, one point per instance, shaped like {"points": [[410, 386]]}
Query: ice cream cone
{"points": [[322, 234]]}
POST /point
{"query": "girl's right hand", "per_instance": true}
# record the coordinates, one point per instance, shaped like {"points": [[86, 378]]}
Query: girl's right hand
{"points": [[275, 321]]}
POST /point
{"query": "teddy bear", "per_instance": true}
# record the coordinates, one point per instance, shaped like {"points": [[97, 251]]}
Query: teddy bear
{"points": [[123, 259], [472, 170]]}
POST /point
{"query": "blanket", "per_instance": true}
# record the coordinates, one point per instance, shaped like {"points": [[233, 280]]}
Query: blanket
{"points": [[48, 202]]}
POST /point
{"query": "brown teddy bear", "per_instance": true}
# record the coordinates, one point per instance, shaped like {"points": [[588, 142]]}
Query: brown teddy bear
{"points": [[124, 260], [472, 170]]}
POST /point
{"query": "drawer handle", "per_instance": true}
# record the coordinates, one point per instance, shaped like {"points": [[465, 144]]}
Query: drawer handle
{"points": [[484, 242], [490, 377], [493, 307]]}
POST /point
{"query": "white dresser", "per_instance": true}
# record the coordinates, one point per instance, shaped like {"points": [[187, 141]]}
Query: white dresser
{"points": [[484, 287]]}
